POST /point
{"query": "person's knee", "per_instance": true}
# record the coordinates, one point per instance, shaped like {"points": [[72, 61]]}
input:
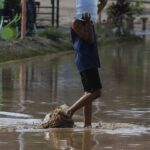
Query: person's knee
{"points": [[97, 93]]}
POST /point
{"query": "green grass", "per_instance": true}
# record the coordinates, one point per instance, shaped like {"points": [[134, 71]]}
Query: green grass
{"points": [[106, 37], [52, 33]]}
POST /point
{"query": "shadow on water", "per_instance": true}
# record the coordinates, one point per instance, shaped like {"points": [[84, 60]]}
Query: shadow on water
{"points": [[30, 89]]}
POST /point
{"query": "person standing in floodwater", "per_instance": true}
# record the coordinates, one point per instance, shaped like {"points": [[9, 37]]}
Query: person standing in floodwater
{"points": [[87, 61]]}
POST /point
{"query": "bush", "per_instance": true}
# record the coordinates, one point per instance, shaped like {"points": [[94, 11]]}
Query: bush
{"points": [[121, 15]]}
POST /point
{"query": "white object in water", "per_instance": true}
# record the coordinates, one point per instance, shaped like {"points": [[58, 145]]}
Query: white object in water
{"points": [[87, 6], [64, 107], [13, 114]]}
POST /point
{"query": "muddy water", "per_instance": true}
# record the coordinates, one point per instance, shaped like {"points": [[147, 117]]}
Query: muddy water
{"points": [[29, 89]]}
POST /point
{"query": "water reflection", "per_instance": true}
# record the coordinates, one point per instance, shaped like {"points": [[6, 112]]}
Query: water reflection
{"points": [[37, 86], [119, 68], [34, 87], [22, 86], [126, 81], [21, 141], [32, 84], [73, 139], [65, 139]]}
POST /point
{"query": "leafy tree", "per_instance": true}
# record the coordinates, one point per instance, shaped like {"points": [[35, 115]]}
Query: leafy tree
{"points": [[1, 4], [122, 13]]}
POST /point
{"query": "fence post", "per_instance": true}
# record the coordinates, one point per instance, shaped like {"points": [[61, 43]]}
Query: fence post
{"points": [[23, 19], [53, 12], [57, 20], [144, 22]]}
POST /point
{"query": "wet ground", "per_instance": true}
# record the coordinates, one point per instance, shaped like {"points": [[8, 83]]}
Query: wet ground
{"points": [[29, 89]]}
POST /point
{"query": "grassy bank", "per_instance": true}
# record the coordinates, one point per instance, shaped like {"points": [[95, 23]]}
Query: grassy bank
{"points": [[51, 41], [108, 38], [113, 41], [46, 42]]}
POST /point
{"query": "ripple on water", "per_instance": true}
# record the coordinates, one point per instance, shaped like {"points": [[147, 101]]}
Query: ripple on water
{"points": [[34, 125], [16, 115], [117, 128]]}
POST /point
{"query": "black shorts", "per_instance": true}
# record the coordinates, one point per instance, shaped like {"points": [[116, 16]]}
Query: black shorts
{"points": [[91, 80]]}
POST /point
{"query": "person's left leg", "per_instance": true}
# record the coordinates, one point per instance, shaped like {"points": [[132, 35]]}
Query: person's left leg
{"points": [[92, 87], [88, 97], [87, 112]]}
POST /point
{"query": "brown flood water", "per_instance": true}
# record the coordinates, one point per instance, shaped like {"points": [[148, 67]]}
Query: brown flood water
{"points": [[31, 88]]}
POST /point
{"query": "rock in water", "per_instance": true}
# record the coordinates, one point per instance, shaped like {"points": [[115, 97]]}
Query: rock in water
{"points": [[58, 118]]}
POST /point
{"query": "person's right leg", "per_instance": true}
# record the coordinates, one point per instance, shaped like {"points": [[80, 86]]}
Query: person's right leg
{"points": [[83, 100], [87, 112]]}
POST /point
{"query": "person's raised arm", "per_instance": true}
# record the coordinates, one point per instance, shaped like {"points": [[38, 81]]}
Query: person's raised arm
{"points": [[84, 29]]}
